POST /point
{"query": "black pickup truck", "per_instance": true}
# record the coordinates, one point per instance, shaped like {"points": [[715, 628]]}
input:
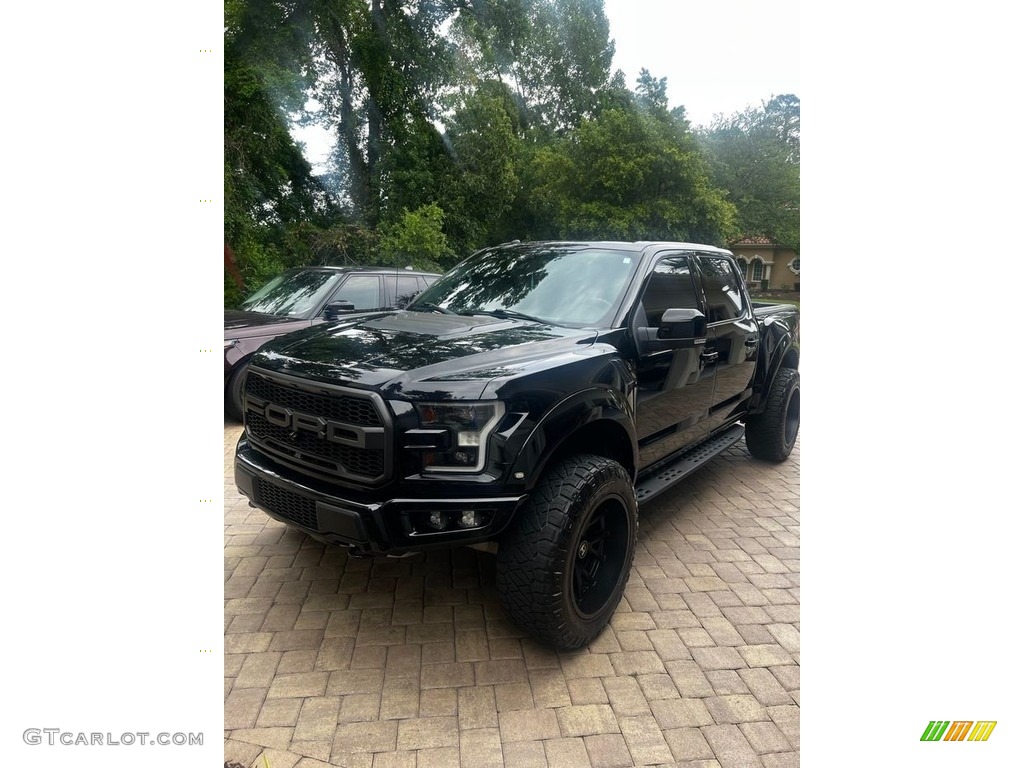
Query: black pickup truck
{"points": [[531, 397]]}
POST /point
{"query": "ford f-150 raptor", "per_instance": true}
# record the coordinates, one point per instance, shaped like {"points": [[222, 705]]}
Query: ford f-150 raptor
{"points": [[531, 397]]}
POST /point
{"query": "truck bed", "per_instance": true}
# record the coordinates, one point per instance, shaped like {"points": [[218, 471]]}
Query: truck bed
{"points": [[763, 309]]}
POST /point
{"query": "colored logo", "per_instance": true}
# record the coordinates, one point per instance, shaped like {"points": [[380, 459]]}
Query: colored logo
{"points": [[959, 730]]}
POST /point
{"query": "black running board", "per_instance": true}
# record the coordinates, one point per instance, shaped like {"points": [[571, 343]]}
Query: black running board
{"points": [[686, 464]]}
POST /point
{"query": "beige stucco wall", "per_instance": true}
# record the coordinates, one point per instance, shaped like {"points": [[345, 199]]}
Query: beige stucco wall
{"points": [[781, 277]]}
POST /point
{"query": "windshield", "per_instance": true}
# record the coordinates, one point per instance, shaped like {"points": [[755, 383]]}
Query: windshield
{"points": [[296, 293], [573, 285]]}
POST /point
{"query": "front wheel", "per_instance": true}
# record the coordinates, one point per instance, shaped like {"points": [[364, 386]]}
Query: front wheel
{"points": [[563, 566], [772, 433], [233, 392]]}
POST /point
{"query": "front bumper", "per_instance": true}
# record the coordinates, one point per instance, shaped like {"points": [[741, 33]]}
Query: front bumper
{"points": [[366, 524]]}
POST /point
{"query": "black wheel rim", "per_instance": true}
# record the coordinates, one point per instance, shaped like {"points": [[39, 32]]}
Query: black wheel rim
{"points": [[598, 557], [793, 417]]}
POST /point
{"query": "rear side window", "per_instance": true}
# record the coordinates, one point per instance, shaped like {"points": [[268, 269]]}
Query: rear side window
{"points": [[408, 288], [721, 288]]}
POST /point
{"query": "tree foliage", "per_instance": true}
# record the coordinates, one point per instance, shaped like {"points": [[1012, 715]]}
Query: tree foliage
{"points": [[416, 239], [628, 175], [555, 55], [380, 69], [755, 157], [464, 123], [487, 149], [270, 192]]}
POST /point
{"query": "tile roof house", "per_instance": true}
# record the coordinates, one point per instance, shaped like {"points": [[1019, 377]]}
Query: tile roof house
{"points": [[766, 265]]}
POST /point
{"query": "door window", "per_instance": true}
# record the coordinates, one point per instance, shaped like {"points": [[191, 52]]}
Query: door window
{"points": [[363, 291], [670, 286], [721, 289]]}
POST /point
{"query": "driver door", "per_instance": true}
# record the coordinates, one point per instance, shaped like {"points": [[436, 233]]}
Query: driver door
{"points": [[675, 387]]}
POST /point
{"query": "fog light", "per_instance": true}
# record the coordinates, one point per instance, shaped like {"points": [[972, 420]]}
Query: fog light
{"points": [[469, 519], [438, 520]]}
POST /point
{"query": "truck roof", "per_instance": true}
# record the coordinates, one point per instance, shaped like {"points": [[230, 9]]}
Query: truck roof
{"points": [[637, 246], [374, 270]]}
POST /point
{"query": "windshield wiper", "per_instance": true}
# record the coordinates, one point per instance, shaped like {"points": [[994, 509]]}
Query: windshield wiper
{"points": [[509, 314], [426, 306]]}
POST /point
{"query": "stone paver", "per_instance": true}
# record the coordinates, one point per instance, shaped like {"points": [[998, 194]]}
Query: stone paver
{"points": [[411, 663]]}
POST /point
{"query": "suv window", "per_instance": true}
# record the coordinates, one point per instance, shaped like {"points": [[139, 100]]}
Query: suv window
{"points": [[670, 286], [408, 288], [721, 289], [363, 291]]}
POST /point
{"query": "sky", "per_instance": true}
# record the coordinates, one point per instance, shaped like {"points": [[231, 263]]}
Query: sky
{"points": [[719, 56]]}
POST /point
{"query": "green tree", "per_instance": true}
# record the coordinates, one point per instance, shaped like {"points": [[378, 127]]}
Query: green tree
{"points": [[269, 188], [554, 55], [633, 176], [755, 156], [652, 93], [381, 66], [417, 239], [485, 143], [459, 124]]}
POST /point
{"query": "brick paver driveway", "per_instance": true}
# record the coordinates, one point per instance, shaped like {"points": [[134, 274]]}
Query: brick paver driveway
{"points": [[332, 661]]}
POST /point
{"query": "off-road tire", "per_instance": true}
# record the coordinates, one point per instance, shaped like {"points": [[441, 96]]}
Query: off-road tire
{"points": [[563, 564], [233, 393], [772, 433]]}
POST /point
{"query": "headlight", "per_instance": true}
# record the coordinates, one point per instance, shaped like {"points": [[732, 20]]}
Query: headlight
{"points": [[467, 425]]}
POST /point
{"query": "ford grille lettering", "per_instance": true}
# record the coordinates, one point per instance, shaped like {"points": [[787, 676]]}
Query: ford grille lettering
{"points": [[335, 432]]}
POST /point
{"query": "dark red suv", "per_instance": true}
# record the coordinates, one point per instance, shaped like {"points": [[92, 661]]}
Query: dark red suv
{"points": [[302, 297]]}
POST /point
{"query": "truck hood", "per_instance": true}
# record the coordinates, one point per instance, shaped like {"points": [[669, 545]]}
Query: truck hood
{"points": [[419, 354], [239, 324]]}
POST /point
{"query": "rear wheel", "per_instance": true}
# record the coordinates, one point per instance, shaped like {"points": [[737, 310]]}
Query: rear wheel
{"points": [[563, 566], [772, 433]]}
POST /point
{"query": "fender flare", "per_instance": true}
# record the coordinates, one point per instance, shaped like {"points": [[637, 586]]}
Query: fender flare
{"points": [[781, 350], [564, 420], [783, 346]]}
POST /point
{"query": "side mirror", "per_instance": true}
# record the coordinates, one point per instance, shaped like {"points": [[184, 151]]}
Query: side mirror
{"points": [[683, 324], [335, 308], [678, 329]]}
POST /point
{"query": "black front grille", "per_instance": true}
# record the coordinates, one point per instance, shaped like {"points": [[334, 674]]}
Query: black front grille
{"points": [[332, 433], [289, 505], [331, 457], [347, 409]]}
